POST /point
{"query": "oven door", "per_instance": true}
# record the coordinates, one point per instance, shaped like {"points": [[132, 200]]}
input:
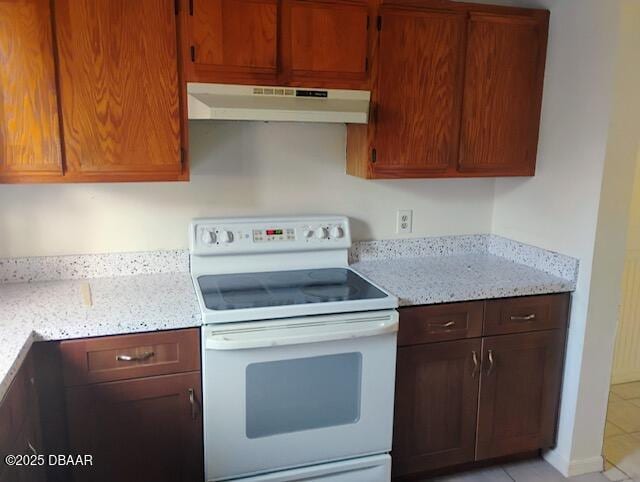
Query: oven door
{"points": [[300, 393]]}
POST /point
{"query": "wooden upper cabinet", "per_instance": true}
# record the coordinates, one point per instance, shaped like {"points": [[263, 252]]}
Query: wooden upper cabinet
{"points": [[503, 93], [29, 123], [519, 395], [418, 93], [326, 43], [232, 41], [456, 92], [119, 89]]}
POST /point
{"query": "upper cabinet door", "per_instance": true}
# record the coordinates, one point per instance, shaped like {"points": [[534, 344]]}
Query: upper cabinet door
{"points": [[503, 93], [326, 43], [29, 123], [417, 101], [119, 93], [232, 41]]}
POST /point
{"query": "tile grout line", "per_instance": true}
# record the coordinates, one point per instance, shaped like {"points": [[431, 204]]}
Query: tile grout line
{"points": [[507, 473]]}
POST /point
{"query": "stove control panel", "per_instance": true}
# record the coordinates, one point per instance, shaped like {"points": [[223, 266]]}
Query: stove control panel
{"points": [[247, 235]]}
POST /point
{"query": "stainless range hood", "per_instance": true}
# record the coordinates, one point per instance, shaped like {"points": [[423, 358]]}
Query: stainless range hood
{"points": [[295, 104]]}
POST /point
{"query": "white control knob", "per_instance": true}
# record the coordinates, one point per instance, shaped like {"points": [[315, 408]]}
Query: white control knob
{"points": [[208, 237], [308, 233], [337, 232], [226, 237], [322, 233]]}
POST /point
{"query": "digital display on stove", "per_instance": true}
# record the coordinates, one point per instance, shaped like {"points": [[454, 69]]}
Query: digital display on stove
{"points": [[274, 232]]}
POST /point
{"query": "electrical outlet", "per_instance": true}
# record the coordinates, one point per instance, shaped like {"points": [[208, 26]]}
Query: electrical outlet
{"points": [[404, 223]]}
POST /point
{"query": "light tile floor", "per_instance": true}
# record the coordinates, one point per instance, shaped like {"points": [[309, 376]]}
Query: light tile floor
{"points": [[536, 470], [622, 431]]}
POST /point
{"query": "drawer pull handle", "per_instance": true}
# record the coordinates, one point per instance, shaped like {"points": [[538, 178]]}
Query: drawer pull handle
{"points": [[530, 317], [491, 362], [192, 402], [444, 324], [32, 448], [476, 365], [143, 357]]}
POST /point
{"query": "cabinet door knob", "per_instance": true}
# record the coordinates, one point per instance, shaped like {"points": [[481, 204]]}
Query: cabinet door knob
{"points": [[491, 362], [476, 365]]}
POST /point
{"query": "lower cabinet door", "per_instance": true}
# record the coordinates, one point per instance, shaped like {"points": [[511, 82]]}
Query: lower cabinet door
{"points": [[519, 394], [147, 429], [436, 405]]}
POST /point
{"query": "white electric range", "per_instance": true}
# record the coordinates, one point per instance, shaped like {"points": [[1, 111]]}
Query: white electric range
{"points": [[298, 352]]}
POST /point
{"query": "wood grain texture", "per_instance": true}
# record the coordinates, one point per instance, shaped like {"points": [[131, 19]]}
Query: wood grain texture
{"points": [[93, 360], [436, 404], [419, 93], [448, 321], [502, 93], [29, 123], [519, 397], [234, 41], [119, 92], [526, 313], [138, 430], [326, 42]]}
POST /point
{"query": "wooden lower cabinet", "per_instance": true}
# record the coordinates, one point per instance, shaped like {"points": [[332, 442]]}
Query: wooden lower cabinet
{"points": [[477, 397], [20, 426], [147, 429], [436, 405], [520, 392]]}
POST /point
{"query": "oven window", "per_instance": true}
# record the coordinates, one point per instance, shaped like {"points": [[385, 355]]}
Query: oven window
{"points": [[304, 393]]}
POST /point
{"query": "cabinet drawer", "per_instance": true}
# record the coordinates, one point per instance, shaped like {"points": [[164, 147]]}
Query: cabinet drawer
{"points": [[425, 324], [527, 313], [96, 360]]}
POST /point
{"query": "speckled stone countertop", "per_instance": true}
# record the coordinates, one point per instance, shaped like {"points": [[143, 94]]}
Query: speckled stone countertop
{"points": [[461, 277], [56, 310], [46, 298], [461, 268]]}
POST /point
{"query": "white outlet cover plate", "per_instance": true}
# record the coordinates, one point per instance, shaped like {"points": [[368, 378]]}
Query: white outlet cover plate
{"points": [[404, 221]]}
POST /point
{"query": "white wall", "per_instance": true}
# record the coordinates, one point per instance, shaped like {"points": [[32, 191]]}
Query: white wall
{"points": [[571, 208], [626, 364], [237, 169]]}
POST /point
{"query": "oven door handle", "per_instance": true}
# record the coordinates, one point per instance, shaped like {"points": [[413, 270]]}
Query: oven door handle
{"points": [[297, 335]]}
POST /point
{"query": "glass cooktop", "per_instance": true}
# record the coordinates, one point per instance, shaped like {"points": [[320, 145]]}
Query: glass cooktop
{"points": [[278, 288]]}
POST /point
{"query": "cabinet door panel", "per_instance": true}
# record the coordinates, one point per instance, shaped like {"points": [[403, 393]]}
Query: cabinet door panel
{"points": [[29, 124], [436, 404], [326, 41], [502, 94], [234, 40], [119, 88], [519, 393], [142, 430], [417, 107]]}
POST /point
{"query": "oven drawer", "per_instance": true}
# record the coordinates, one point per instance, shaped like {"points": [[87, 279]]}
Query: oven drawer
{"points": [[451, 321], [323, 385], [111, 358], [526, 313]]}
